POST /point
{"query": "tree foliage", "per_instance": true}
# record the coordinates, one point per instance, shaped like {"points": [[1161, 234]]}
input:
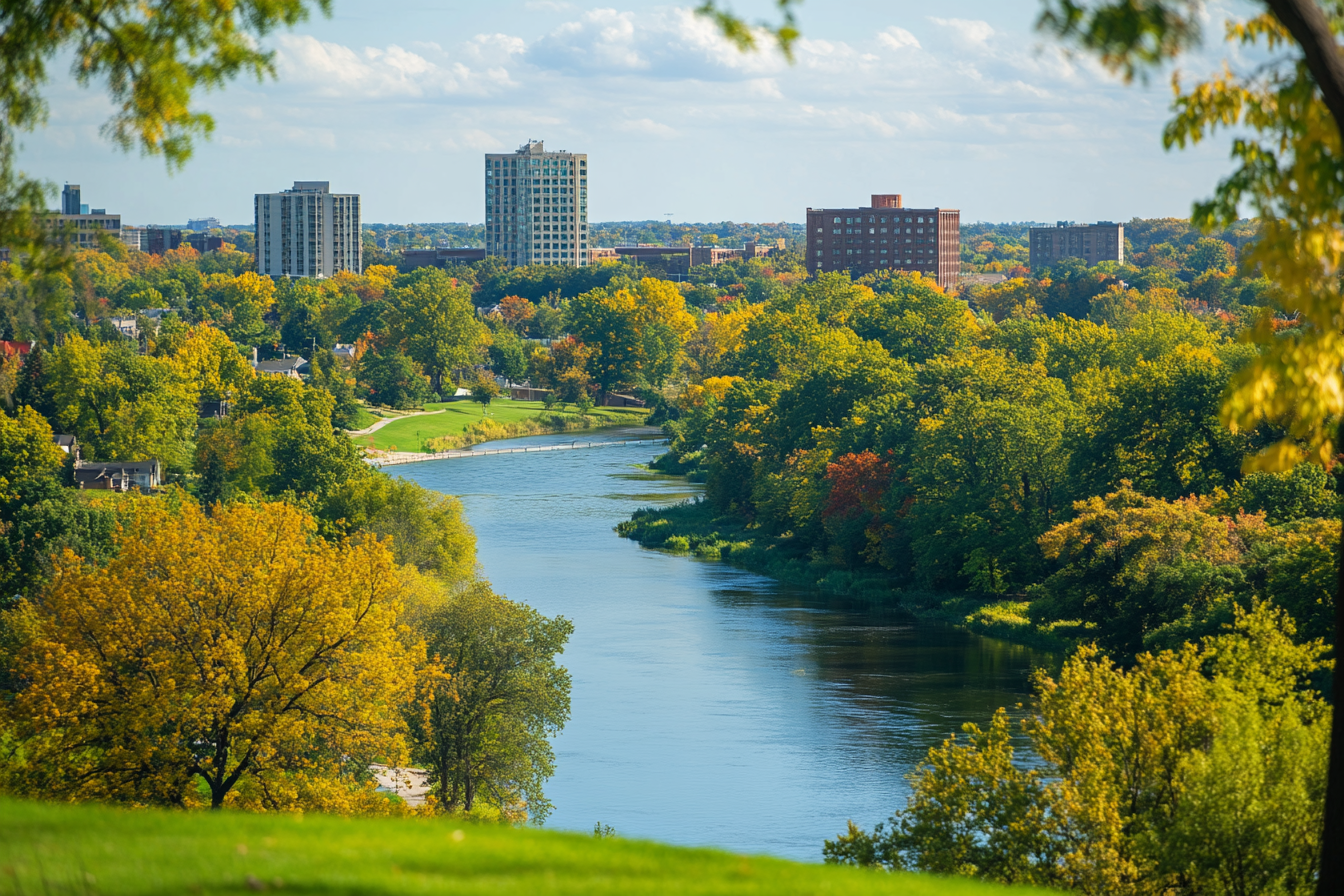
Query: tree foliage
{"points": [[235, 651]]}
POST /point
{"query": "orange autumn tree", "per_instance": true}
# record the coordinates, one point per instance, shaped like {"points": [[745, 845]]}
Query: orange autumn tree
{"points": [[859, 485], [230, 659]]}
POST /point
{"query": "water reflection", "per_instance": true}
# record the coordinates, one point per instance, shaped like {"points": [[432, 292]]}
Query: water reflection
{"points": [[711, 706]]}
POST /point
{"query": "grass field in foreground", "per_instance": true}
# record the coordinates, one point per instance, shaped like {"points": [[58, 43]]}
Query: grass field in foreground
{"points": [[407, 434], [61, 849]]}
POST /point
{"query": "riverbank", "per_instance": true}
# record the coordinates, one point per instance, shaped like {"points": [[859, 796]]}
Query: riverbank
{"points": [[453, 425], [694, 528], [47, 848]]}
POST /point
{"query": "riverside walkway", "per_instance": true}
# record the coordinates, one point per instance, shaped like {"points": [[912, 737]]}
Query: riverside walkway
{"points": [[393, 458]]}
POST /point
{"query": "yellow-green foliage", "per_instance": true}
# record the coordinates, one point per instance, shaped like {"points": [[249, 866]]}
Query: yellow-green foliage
{"points": [[1198, 770]]}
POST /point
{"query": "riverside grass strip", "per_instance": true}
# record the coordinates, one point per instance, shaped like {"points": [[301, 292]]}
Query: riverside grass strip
{"points": [[462, 424], [85, 849]]}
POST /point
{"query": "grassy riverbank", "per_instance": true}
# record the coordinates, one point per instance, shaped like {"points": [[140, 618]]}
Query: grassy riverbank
{"points": [[63, 849], [694, 528], [460, 424]]}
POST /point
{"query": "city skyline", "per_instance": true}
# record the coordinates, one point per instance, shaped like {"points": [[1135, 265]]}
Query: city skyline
{"points": [[971, 108]]}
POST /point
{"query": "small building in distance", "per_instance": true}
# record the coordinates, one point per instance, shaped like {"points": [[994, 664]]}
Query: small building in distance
{"points": [[67, 443], [286, 367], [118, 476], [204, 242], [202, 224], [439, 258], [308, 231], [885, 236], [1102, 241], [678, 260]]}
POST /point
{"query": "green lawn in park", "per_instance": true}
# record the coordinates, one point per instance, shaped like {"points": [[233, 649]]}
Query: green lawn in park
{"points": [[451, 418], [63, 849]]}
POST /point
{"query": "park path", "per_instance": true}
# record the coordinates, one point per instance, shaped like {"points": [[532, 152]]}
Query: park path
{"points": [[386, 420]]}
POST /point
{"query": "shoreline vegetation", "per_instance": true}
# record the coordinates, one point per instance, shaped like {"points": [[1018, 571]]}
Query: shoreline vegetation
{"points": [[695, 529]]}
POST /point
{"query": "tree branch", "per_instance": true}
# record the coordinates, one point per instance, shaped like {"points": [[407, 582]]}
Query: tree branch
{"points": [[1306, 22]]}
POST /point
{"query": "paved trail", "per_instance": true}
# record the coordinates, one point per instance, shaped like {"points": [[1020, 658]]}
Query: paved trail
{"points": [[386, 420]]}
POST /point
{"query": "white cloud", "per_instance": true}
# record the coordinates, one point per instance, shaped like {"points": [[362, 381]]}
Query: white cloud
{"points": [[734, 131], [647, 126], [968, 31], [334, 71], [897, 38]]}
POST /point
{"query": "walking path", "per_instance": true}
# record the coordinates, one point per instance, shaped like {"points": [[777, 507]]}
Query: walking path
{"points": [[392, 458], [411, 784], [386, 420]]}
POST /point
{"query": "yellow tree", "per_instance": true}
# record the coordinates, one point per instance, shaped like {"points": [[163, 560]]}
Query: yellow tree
{"points": [[212, 364], [234, 654]]}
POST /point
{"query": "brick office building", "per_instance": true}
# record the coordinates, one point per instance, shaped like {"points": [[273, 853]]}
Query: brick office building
{"points": [[886, 236]]}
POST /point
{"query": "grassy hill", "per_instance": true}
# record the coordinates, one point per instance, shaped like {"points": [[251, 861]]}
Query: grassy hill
{"points": [[453, 418], [98, 851]]}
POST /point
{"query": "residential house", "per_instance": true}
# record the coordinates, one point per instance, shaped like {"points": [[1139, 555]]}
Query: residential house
{"points": [[288, 367], [119, 476], [67, 443], [213, 410]]}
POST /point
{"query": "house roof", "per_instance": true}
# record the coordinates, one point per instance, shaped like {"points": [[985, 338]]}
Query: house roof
{"points": [[9, 347], [280, 365], [88, 470], [64, 441]]}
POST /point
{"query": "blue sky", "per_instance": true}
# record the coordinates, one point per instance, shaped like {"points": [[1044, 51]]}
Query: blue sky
{"points": [[953, 104]]}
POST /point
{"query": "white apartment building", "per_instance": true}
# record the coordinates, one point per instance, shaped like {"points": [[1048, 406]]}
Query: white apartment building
{"points": [[536, 206], [308, 231]]}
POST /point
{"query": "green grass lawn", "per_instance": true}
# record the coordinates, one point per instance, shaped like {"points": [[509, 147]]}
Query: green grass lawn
{"points": [[96, 851], [363, 419], [410, 433]]}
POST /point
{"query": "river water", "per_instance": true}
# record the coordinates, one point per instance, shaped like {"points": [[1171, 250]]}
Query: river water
{"points": [[711, 706]]}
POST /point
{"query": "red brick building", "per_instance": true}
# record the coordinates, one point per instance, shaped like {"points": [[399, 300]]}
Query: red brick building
{"points": [[886, 236]]}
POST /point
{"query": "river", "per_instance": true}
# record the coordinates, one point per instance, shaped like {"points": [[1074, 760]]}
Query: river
{"points": [[711, 706]]}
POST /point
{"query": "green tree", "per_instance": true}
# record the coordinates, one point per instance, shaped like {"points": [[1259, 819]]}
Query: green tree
{"points": [[153, 57], [433, 319], [493, 696], [1159, 777], [483, 388], [607, 323], [392, 379]]}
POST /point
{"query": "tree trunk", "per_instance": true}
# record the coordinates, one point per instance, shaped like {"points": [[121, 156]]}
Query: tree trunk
{"points": [[1307, 23]]}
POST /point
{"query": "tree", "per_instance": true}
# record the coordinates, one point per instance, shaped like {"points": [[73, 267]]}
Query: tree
{"points": [[492, 697], [235, 651], [1151, 779], [433, 319], [27, 452], [153, 57], [607, 323], [392, 379], [483, 389]]}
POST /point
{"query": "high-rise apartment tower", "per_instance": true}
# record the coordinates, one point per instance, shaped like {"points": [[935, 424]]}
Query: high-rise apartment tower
{"points": [[308, 231], [536, 206], [886, 236], [1102, 241], [70, 200]]}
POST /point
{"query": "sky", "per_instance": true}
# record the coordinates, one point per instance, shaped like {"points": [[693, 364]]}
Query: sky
{"points": [[969, 109]]}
